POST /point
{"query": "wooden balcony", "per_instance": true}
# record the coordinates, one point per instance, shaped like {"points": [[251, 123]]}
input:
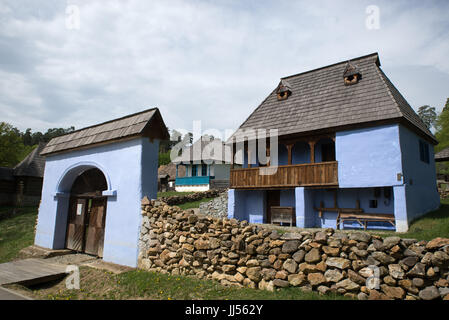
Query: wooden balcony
{"points": [[287, 176]]}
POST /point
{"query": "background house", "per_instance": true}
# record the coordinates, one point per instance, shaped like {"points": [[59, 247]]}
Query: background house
{"points": [[167, 176], [22, 185], [349, 144], [207, 165]]}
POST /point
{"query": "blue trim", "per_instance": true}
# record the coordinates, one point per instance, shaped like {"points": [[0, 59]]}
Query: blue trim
{"points": [[192, 181]]}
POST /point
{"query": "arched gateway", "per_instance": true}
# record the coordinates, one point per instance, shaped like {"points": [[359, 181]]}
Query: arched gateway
{"points": [[94, 181]]}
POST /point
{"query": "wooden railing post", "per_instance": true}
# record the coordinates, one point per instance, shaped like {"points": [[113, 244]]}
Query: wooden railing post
{"points": [[289, 152], [312, 151]]}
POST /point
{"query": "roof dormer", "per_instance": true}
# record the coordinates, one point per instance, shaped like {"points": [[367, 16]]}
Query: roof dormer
{"points": [[283, 90], [352, 74]]}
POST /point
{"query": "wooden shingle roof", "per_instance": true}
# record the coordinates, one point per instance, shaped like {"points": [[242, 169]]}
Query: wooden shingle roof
{"points": [[443, 155], [147, 123], [320, 101], [33, 165]]}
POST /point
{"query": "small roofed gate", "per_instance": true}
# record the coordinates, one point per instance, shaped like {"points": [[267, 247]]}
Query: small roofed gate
{"points": [[87, 213]]}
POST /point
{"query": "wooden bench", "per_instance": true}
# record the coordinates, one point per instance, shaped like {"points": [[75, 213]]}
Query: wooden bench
{"points": [[364, 218], [283, 215]]}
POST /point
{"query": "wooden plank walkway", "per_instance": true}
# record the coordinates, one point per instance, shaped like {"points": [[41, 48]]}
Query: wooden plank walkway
{"points": [[30, 271]]}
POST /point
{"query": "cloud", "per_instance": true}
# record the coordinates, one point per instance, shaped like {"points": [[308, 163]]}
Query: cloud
{"points": [[196, 60]]}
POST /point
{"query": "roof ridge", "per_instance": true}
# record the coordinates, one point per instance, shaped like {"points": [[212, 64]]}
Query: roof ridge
{"points": [[334, 64], [106, 122]]}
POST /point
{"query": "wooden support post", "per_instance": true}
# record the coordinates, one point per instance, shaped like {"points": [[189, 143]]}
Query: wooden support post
{"points": [[249, 158], [268, 157], [289, 152], [233, 155], [312, 151]]}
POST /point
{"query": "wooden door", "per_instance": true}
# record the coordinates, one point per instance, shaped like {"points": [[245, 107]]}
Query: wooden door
{"points": [[96, 227], [76, 224], [273, 200]]}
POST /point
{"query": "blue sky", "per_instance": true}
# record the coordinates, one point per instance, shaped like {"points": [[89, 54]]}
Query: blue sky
{"points": [[213, 61]]}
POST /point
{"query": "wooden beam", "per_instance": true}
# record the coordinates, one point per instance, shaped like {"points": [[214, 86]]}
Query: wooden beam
{"points": [[289, 152], [312, 151]]}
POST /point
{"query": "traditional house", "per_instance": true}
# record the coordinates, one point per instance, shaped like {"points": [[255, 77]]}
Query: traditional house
{"points": [[22, 185], [351, 153], [167, 176], [207, 165], [94, 181]]}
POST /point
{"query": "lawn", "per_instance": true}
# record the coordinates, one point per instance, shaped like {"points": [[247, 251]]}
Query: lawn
{"points": [[172, 193], [16, 232], [139, 284]]}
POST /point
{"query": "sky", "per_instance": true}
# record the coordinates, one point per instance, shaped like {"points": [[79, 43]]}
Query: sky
{"points": [[80, 62]]}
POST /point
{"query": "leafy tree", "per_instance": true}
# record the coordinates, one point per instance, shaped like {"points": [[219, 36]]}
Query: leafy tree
{"points": [[428, 115], [446, 106], [442, 135], [11, 146]]}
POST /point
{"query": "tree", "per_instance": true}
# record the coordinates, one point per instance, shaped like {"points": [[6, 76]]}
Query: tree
{"points": [[446, 106], [11, 146], [427, 115]]}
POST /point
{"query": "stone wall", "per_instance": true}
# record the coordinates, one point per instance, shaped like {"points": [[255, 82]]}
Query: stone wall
{"points": [[175, 200], [237, 253], [217, 207]]}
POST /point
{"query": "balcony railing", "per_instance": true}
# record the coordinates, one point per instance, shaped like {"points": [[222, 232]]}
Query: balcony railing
{"points": [[296, 175], [192, 181]]}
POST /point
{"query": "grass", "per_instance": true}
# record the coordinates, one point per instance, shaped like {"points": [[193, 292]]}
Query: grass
{"points": [[193, 204], [16, 232], [432, 225], [139, 284], [172, 193]]}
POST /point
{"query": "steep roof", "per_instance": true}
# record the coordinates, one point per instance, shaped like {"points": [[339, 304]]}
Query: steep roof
{"points": [[205, 150], [321, 101], [147, 123], [33, 165]]}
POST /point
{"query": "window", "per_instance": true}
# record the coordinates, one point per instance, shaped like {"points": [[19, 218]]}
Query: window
{"points": [[423, 151], [328, 152], [204, 170], [194, 170]]}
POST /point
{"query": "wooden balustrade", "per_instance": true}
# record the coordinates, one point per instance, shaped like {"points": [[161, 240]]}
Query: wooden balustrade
{"points": [[296, 175]]}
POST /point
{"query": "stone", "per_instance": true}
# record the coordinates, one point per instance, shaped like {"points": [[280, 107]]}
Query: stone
{"points": [[437, 243], [444, 292], [291, 236], [201, 244], [389, 281], [268, 274], [390, 242], [355, 277], [410, 261], [362, 296], [419, 270], [280, 283], [321, 237], [290, 246], [331, 251], [360, 236], [393, 292], [254, 273], [333, 275], [266, 285], [290, 265], [313, 256], [214, 243], [299, 255], [323, 289], [396, 271], [440, 259], [418, 282], [249, 284], [442, 283], [281, 275], [429, 293], [339, 263], [227, 268], [347, 284], [382, 257], [296, 280], [307, 268], [252, 263], [376, 295], [408, 285], [316, 278]]}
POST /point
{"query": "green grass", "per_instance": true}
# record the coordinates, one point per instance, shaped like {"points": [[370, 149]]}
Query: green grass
{"points": [[139, 284], [16, 232], [172, 193], [193, 204], [432, 225]]}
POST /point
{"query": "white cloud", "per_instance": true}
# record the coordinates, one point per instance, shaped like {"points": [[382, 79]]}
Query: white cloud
{"points": [[195, 60]]}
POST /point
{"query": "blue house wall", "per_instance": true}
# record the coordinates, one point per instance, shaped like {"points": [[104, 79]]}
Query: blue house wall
{"points": [[130, 169]]}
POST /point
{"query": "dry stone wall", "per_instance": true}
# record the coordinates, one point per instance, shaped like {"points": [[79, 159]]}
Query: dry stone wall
{"points": [[175, 200], [237, 253], [217, 207]]}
